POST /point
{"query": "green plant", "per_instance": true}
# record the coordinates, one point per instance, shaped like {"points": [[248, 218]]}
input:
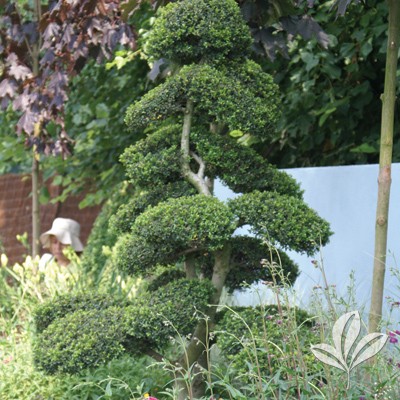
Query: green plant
{"points": [[187, 125]]}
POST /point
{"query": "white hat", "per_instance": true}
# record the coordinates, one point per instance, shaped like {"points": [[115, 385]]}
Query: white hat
{"points": [[66, 231]]}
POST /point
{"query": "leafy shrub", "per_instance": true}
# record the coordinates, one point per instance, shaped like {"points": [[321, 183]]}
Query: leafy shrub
{"points": [[218, 93], [79, 340], [223, 155], [172, 309], [193, 30], [20, 380], [59, 307], [283, 219], [76, 332], [165, 276], [161, 233]]}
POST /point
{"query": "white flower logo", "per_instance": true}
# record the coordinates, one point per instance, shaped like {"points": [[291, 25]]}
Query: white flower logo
{"points": [[345, 354]]}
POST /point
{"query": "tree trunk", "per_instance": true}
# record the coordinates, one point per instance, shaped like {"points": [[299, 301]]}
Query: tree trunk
{"points": [[35, 159], [195, 352], [35, 205], [385, 161]]}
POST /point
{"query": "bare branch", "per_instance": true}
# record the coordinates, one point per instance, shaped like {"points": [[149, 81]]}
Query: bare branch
{"points": [[155, 355], [197, 181], [202, 165]]}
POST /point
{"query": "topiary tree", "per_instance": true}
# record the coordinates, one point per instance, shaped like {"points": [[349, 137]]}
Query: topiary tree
{"points": [[199, 123]]}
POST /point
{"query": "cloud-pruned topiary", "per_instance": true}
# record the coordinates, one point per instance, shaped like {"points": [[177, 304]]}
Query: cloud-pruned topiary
{"points": [[81, 339], [68, 304], [190, 124], [79, 331], [191, 31], [166, 232]]}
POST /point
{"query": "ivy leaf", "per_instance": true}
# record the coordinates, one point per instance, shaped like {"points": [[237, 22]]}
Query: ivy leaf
{"points": [[236, 133], [364, 148]]}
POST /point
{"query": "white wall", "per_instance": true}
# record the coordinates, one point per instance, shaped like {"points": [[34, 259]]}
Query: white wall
{"points": [[346, 197]]}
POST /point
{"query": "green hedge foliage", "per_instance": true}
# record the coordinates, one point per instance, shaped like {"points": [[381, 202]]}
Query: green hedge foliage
{"points": [[240, 167], [193, 30], [82, 339], [284, 220], [173, 308], [59, 307], [77, 332], [246, 102], [163, 234], [123, 220], [154, 160]]}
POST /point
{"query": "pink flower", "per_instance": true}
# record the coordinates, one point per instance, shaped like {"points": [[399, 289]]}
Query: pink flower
{"points": [[393, 337], [7, 359], [148, 397]]}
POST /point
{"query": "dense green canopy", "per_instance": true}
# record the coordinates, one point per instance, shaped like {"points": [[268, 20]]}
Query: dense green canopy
{"points": [[172, 224]]}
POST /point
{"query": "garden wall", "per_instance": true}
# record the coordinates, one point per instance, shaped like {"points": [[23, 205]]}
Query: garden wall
{"points": [[15, 213]]}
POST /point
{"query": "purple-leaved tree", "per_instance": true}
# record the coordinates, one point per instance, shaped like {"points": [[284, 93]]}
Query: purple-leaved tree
{"points": [[41, 49]]}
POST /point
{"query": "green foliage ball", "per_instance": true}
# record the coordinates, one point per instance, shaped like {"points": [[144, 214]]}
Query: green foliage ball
{"points": [[173, 309], [284, 220], [154, 160], [239, 96], [122, 221], [59, 307], [84, 338], [192, 30], [240, 167], [163, 234]]}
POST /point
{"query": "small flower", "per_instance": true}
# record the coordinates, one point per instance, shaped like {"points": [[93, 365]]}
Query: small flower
{"points": [[279, 322], [148, 397], [392, 337], [3, 260], [7, 359]]}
